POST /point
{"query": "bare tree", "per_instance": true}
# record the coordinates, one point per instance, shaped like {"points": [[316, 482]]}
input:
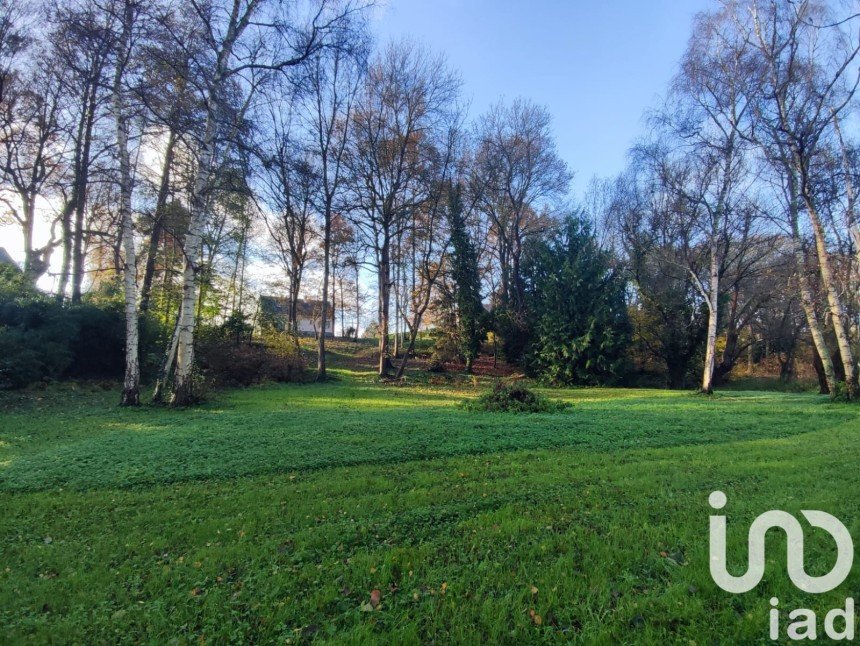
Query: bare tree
{"points": [[14, 42], [127, 13], [81, 44], [335, 78], [247, 44], [803, 78], [428, 237], [173, 113], [32, 155], [517, 178], [712, 84], [288, 184], [700, 158], [408, 96]]}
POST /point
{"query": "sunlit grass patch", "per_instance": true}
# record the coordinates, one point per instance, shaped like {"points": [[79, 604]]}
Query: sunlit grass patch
{"points": [[272, 513]]}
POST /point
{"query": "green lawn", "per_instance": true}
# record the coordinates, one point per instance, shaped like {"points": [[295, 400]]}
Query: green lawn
{"points": [[272, 513]]}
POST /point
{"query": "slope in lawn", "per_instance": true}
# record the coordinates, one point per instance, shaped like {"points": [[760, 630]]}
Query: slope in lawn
{"points": [[81, 440], [596, 532]]}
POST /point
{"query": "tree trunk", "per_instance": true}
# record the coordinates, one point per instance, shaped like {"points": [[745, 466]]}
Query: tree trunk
{"points": [[850, 193], [855, 236], [731, 353], [80, 192], [78, 254], [30, 260], [66, 262], [157, 223], [409, 350], [519, 289], [837, 311], [384, 308], [321, 374], [167, 365], [357, 302], [713, 309], [182, 382], [823, 386], [414, 327], [342, 307], [807, 301], [292, 314], [333, 296], [79, 166], [131, 382], [396, 351], [750, 349]]}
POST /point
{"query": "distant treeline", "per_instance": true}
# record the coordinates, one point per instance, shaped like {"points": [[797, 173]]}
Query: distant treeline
{"points": [[170, 147]]}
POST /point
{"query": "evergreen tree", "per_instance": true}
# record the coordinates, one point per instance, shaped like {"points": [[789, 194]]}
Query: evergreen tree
{"points": [[464, 272], [580, 330]]}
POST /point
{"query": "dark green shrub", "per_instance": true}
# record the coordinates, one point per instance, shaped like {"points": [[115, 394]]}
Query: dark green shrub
{"points": [[98, 342], [43, 340], [277, 357], [514, 333], [514, 398]]}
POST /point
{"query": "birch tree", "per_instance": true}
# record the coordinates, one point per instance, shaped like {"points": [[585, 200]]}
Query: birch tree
{"points": [[127, 13], [711, 84], [247, 43], [804, 77]]}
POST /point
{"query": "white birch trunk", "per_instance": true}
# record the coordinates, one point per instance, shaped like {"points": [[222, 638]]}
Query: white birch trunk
{"points": [[837, 311], [131, 381], [182, 380], [713, 310], [807, 299]]}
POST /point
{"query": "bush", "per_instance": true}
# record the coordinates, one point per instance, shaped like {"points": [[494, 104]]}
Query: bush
{"points": [[514, 398], [276, 358], [513, 332], [43, 340], [445, 346]]}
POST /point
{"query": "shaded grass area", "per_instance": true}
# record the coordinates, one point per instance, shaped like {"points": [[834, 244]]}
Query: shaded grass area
{"points": [[272, 513]]}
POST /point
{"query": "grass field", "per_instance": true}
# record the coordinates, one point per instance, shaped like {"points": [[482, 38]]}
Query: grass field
{"points": [[273, 513]]}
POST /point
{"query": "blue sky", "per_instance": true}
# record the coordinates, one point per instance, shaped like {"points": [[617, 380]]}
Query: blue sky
{"points": [[597, 65]]}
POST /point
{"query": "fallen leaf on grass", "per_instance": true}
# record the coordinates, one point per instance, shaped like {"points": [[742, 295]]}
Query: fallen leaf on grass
{"points": [[375, 598]]}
